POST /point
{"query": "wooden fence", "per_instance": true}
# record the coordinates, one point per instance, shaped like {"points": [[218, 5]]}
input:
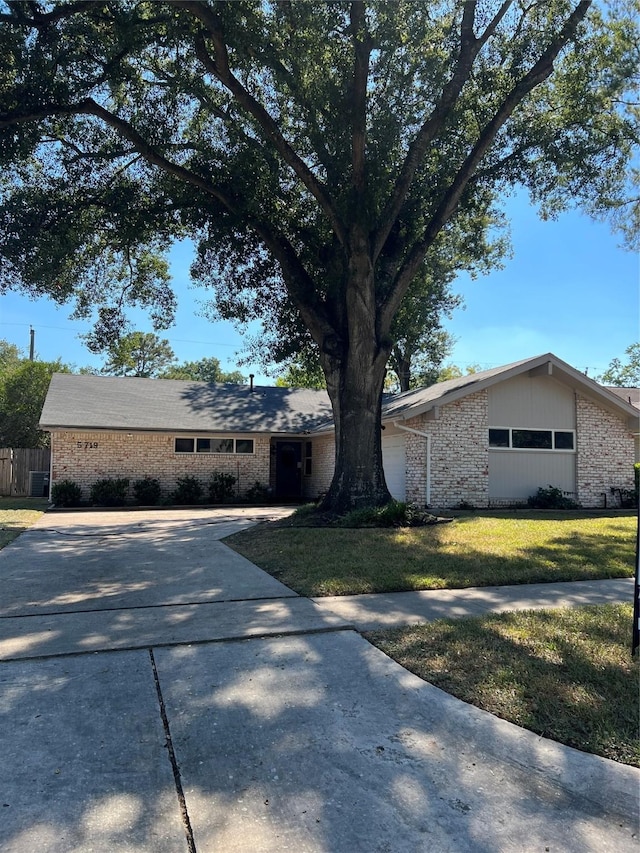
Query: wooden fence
{"points": [[15, 464]]}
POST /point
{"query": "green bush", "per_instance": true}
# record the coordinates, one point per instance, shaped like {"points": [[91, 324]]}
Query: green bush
{"points": [[66, 493], [551, 498], [109, 492], [221, 488], [147, 491], [188, 490], [257, 493]]}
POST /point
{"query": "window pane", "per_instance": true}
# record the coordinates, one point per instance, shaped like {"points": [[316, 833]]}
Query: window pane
{"points": [[184, 445], [221, 445], [244, 445], [564, 440], [498, 438], [203, 445], [536, 439]]}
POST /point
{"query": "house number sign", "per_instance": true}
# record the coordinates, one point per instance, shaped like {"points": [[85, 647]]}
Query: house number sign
{"points": [[87, 445]]}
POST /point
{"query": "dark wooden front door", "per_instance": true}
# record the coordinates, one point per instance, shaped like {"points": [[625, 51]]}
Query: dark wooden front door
{"points": [[288, 469]]}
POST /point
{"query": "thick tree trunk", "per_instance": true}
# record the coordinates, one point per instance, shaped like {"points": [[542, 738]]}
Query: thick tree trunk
{"points": [[358, 479], [354, 383]]}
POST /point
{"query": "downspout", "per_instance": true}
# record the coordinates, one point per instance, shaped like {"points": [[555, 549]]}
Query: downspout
{"points": [[428, 437]]}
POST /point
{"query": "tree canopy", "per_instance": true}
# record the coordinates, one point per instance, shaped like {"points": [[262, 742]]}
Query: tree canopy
{"points": [[320, 154], [138, 354], [625, 374], [204, 370], [23, 388]]}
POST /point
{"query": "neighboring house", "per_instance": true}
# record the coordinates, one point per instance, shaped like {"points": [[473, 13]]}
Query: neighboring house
{"points": [[487, 439]]}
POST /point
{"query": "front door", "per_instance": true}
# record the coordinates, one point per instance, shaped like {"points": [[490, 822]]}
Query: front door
{"points": [[288, 469]]}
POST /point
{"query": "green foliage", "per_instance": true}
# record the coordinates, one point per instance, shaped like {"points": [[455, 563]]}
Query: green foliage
{"points": [[393, 514], [625, 375], [302, 373], [138, 354], [204, 370], [23, 388], [258, 493], [109, 491], [147, 491], [66, 493], [189, 490], [322, 155], [551, 498], [221, 488]]}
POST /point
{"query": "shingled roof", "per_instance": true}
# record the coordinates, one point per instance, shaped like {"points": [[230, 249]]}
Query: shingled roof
{"points": [[171, 405], [108, 402]]}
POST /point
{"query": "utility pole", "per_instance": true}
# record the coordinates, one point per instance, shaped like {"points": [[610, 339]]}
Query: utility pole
{"points": [[32, 342]]}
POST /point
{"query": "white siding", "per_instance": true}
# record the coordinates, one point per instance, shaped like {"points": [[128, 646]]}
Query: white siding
{"points": [[393, 462], [515, 474], [532, 402]]}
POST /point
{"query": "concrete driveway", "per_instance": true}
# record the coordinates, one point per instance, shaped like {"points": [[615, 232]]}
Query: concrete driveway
{"points": [[125, 727]]}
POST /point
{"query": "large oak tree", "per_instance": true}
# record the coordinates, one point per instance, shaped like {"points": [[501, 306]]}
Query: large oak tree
{"points": [[320, 153]]}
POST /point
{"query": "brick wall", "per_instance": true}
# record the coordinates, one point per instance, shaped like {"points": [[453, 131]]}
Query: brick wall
{"points": [[85, 457], [324, 459], [605, 453], [459, 454]]}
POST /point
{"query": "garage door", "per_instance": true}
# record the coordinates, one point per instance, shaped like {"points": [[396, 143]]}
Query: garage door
{"points": [[393, 462]]}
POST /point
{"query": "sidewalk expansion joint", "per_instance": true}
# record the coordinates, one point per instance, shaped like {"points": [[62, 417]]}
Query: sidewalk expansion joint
{"points": [[191, 846]]}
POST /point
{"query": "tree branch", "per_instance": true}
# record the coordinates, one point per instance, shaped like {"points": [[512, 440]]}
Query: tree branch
{"points": [[540, 71], [220, 68], [362, 44], [470, 46]]}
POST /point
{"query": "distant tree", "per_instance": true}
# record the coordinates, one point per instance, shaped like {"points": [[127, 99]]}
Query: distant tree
{"points": [[204, 370], [452, 371], [302, 374], [624, 375], [138, 354], [22, 393], [10, 357]]}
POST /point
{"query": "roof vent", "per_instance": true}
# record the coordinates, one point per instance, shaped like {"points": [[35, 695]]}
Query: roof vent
{"points": [[251, 375]]}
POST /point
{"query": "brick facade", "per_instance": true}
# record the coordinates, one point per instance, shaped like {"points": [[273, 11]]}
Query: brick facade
{"points": [[459, 465], [457, 471], [605, 454], [323, 463], [85, 457]]}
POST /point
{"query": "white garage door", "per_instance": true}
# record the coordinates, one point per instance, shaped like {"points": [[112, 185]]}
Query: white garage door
{"points": [[393, 462]]}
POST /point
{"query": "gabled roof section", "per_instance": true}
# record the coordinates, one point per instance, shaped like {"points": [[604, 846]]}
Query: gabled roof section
{"points": [[413, 403], [108, 402]]}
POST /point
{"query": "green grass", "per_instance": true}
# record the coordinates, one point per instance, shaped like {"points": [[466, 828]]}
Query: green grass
{"points": [[564, 674], [479, 549], [17, 514]]}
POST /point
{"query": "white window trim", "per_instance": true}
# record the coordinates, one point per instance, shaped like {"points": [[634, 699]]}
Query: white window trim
{"points": [[553, 431], [194, 437]]}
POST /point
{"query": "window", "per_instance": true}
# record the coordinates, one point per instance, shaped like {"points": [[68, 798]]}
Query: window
{"points": [[531, 439], [244, 445], [213, 445], [498, 438], [308, 458]]}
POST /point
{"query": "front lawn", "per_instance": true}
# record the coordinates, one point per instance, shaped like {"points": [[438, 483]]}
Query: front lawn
{"points": [[17, 514], [479, 549], [564, 674]]}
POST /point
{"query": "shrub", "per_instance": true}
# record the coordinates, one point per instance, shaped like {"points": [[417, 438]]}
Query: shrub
{"points": [[551, 498], [221, 488], [257, 493], [66, 493], [147, 491], [189, 490], [109, 492]]}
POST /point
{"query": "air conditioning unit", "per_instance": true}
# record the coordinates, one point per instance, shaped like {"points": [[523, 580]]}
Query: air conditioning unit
{"points": [[38, 484]]}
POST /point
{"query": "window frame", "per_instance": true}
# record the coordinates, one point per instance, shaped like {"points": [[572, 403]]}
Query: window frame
{"points": [[552, 449], [195, 439]]}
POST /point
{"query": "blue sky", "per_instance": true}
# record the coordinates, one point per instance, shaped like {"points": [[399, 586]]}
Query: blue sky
{"points": [[569, 289]]}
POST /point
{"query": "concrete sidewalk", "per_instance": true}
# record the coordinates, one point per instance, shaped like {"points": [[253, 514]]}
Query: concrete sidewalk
{"points": [[159, 693]]}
